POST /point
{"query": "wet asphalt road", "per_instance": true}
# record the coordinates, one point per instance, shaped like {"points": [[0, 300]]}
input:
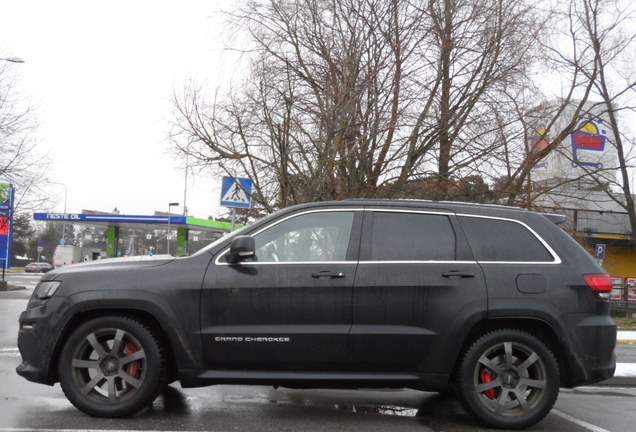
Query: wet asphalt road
{"points": [[28, 406]]}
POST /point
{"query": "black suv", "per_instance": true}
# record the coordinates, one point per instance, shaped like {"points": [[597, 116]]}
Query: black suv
{"points": [[494, 302]]}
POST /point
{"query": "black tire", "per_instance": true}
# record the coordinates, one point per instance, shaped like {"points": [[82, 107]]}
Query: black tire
{"points": [[509, 379], [112, 366]]}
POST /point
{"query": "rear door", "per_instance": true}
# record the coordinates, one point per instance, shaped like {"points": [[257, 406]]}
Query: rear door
{"points": [[520, 267], [291, 308], [416, 289]]}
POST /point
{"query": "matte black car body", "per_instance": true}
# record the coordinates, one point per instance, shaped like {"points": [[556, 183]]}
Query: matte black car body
{"points": [[370, 315]]}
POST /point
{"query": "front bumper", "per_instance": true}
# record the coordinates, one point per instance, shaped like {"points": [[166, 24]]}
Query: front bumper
{"points": [[40, 329]]}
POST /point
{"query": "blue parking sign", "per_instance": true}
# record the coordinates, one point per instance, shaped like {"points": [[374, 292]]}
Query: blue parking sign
{"points": [[236, 192], [599, 253]]}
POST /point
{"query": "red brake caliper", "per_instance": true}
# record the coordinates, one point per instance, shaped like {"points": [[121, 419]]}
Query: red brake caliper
{"points": [[485, 377], [133, 368]]}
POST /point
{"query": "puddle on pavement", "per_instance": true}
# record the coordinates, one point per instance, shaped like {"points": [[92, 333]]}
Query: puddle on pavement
{"points": [[396, 404], [382, 410], [417, 406], [306, 400]]}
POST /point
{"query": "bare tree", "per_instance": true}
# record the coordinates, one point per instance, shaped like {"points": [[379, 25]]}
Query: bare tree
{"points": [[536, 117], [610, 27], [21, 162], [362, 98], [591, 57]]}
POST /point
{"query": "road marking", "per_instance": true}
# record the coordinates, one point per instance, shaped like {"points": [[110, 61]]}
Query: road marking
{"points": [[583, 424]]}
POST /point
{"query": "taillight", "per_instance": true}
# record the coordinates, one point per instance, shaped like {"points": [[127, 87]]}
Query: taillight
{"points": [[601, 284]]}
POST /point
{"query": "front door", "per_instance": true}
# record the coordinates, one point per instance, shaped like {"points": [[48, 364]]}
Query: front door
{"points": [[288, 309]]}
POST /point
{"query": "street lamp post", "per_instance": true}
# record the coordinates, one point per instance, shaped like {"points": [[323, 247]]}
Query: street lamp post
{"points": [[175, 204]]}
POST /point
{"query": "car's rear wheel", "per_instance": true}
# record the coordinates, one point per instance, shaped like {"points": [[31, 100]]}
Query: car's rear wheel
{"points": [[112, 366], [509, 379]]}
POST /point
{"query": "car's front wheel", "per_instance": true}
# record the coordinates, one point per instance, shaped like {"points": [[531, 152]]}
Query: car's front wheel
{"points": [[509, 379], [112, 366]]}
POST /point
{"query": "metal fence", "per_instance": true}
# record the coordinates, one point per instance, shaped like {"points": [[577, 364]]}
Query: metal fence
{"points": [[623, 294]]}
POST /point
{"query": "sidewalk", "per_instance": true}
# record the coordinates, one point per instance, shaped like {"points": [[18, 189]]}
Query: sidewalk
{"points": [[626, 336]]}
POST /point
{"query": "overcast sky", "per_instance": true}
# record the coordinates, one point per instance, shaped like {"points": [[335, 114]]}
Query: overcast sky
{"points": [[100, 75]]}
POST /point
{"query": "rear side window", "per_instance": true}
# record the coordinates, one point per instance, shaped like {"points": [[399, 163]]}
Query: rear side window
{"points": [[503, 240], [412, 237]]}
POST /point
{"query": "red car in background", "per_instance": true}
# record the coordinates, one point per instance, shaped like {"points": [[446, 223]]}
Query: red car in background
{"points": [[38, 267]]}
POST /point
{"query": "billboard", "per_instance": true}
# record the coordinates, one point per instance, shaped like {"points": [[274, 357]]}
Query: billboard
{"points": [[590, 148], [6, 219], [617, 289], [631, 294]]}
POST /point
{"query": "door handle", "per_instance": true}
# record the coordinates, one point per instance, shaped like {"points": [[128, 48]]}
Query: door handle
{"points": [[456, 274], [328, 274]]}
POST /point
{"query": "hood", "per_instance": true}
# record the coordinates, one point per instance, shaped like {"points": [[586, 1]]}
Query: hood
{"points": [[113, 264]]}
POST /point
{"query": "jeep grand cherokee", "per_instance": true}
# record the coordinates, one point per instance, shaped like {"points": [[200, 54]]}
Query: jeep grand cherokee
{"points": [[497, 303]]}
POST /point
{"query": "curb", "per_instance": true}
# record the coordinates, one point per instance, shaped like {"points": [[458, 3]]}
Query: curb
{"points": [[625, 337], [617, 382], [8, 287]]}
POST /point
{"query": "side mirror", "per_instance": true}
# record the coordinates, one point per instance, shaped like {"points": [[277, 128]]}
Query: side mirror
{"points": [[242, 247]]}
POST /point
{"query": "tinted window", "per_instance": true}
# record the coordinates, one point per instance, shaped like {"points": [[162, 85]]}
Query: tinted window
{"points": [[500, 240], [412, 237], [321, 236]]}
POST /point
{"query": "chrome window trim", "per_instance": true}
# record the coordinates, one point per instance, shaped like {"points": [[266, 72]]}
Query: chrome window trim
{"points": [[556, 259], [418, 262], [534, 263], [226, 250], [433, 212], [257, 263], [461, 262]]}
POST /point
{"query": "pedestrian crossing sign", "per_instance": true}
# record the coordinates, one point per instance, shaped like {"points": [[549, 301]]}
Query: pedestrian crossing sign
{"points": [[236, 192]]}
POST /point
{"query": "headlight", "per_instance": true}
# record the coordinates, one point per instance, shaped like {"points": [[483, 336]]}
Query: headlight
{"points": [[45, 290]]}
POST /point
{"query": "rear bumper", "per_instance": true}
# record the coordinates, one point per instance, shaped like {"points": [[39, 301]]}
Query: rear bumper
{"points": [[592, 357], [597, 375]]}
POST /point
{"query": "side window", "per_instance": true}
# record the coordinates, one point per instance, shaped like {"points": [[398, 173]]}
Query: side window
{"points": [[502, 240], [320, 236], [412, 237]]}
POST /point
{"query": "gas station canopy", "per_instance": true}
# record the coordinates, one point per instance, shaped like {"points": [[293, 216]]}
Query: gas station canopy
{"points": [[136, 221], [114, 222]]}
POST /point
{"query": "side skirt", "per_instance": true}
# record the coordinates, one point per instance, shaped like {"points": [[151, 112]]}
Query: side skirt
{"points": [[314, 379]]}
